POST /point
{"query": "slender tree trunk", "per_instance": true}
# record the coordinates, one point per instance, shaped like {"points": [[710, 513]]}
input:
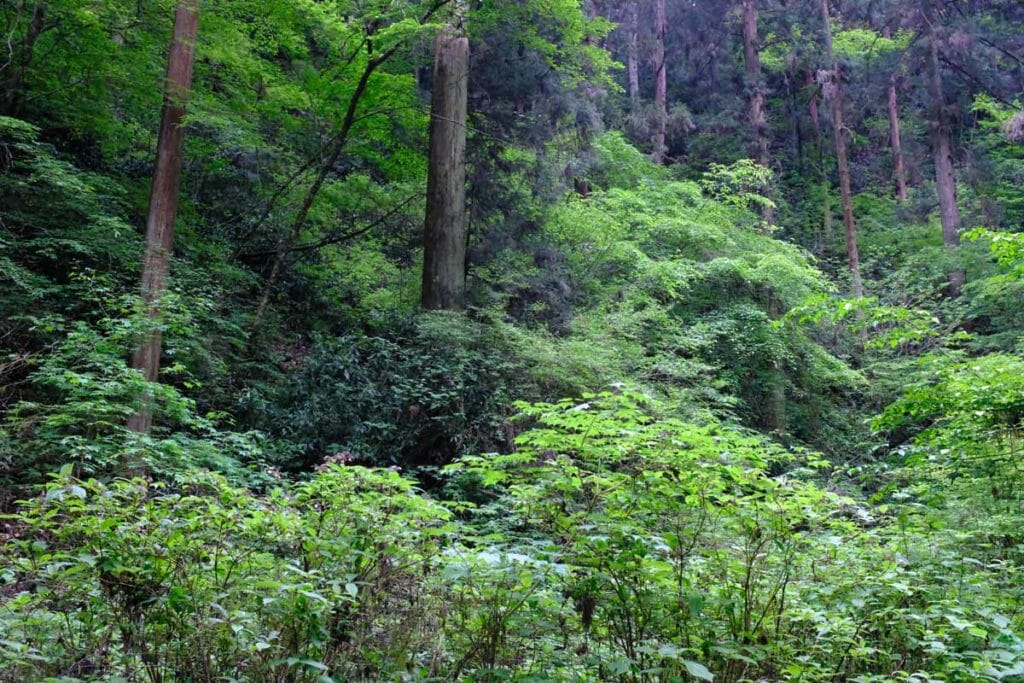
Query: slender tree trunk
{"points": [[942, 147], [797, 121], [842, 161], [899, 168], [163, 198], [775, 401], [756, 114], [819, 145], [660, 83], [12, 91], [336, 149], [752, 63], [444, 252], [633, 53]]}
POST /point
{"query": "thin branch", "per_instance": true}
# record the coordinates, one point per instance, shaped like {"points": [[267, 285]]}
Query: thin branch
{"points": [[342, 237]]}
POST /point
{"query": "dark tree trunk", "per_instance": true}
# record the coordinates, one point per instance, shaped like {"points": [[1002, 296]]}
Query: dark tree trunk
{"points": [[163, 199], [660, 83], [19, 66], [819, 148], [899, 167], [756, 114], [752, 64], [834, 84], [444, 252], [942, 148], [633, 53], [797, 121]]}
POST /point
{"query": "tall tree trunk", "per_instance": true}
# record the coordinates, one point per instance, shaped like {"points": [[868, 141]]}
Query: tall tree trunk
{"points": [[444, 253], [756, 114], [834, 81], [775, 400], [633, 52], [796, 120], [660, 82], [752, 64], [12, 91], [942, 147], [798, 123], [163, 198], [899, 168], [819, 149]]}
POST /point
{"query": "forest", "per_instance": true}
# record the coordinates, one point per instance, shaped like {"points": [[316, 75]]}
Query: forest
{"points": [[638, 341]]}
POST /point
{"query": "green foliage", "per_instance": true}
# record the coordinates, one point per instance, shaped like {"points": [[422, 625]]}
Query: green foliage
{"points": [[680, 553], [441, 388], [201, 579], [717, 505], [83, 394], [615, 543]]}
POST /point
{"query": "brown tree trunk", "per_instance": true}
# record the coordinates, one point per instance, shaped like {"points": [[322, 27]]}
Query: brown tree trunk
{"points": [[660, 83], [163, 198], [752, 64], [444, 239], [834, 82], [12, 91], [775, 401], [942, 147], [796, 119], [819, 145], [633, 53], [899, 168]]}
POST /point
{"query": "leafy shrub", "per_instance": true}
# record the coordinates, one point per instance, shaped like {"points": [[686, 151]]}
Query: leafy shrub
{"points": [[204, 581]]}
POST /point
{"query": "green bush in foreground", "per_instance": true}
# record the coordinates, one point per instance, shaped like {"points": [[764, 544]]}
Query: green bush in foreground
{"points": [[615, 544]]}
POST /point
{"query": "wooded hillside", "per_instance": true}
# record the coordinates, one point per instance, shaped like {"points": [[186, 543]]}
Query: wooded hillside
{"points": [[511, 340]]}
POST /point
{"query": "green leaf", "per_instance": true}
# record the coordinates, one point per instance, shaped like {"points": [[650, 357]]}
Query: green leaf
{"points": [[698, 670]]}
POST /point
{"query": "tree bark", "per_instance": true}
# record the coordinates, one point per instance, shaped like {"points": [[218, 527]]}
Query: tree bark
{"points": [[899, 167], [633, 53], [756, 114], [842, 160], [444, 252], [163, 199], [942, 147], [660, 83], [819, 145], [752, 64], [12, 91]]}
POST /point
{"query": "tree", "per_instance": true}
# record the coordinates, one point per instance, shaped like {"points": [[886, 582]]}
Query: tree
{"points": [[756, 94], [633, 52], [899, 166], [163, 199], [942, 146], [832, 83], [369, 50], [444, 252], [20, 54], [660, 82]]}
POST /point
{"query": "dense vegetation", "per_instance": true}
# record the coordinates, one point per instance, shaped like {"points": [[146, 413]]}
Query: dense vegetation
{"points": [[715, 372]]}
